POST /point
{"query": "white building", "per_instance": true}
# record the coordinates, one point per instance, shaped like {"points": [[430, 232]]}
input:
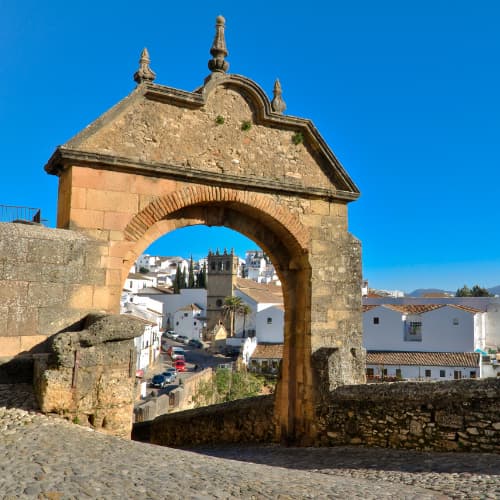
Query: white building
{"points": [[431, 339], [266, 320], [136, 282], [428, 366], [259, 268], [424, 328], [190, 321]]}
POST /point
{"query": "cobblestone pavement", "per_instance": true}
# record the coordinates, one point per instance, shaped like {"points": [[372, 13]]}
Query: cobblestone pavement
{"points": [[49, 458]]}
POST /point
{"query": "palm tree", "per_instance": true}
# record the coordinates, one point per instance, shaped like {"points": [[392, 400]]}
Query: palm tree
{"points": [[245, 310], [230, 308]]}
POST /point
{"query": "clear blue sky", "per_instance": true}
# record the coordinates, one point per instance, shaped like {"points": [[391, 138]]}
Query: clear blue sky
{"points": [[405, 93]]}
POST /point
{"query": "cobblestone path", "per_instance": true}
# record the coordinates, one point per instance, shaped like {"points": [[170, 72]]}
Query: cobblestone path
{"points": [[49, 458]]}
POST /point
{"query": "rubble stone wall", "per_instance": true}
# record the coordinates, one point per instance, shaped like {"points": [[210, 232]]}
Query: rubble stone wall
{"points": [[444, 416], [462, 415]]}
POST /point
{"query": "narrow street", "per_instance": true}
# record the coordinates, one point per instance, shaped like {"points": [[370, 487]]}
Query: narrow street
{"points": [[196, 360]]}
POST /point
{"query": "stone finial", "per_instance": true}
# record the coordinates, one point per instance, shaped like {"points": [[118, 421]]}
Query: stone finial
{"points": [[144, 73], [219, 51], [278, 105]]}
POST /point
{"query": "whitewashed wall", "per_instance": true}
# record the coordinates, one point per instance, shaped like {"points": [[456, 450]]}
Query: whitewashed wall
{"points": [[439, 333]]}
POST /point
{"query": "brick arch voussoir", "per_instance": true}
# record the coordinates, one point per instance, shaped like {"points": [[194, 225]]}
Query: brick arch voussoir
{"points": [[161, 207]]}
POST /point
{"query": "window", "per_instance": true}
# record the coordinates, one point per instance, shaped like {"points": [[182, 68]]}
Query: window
{"points": [[398, 373], [457, 374], [455, 322], [218, 303], [269, 321], [212, 266], [413, 331], [384, 372], [473, 374], [427, 373], [369, 372], [194, 322], [442, 373], [185, 315], [376, 320]]}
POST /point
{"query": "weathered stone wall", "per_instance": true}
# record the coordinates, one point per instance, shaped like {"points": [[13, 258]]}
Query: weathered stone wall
{"points": [[445, 416], [459, 415], [49, 280], [89, 375], [248, 420]]}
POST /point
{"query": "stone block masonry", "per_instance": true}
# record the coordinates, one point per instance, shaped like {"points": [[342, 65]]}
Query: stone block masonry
{"points": [[49, 280]]}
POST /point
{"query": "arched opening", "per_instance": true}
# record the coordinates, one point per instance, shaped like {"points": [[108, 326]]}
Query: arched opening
{"points": [[294, 398]]}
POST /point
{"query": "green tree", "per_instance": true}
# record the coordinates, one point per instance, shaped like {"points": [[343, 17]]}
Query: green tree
{"points": [[230, 308], [143, 270], [191, 280], [183, 278], [202, 277], [226, 385], [244, 310], [178, 280], [475, 291]]}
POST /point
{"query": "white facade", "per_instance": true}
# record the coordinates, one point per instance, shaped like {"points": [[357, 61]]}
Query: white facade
{"points": [[190, 321], [427, 373], [444, 329], [144, 307], [259, 268], [147, 346], [136, 282], [266, 320], [490, 334]]}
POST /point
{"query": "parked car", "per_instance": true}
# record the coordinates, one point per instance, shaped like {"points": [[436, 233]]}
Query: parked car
{"points": [[183, 339], [180, 365], [176, 352], [171, 334], [169, 377], [158, 381], [195, 343], [171, 371]]}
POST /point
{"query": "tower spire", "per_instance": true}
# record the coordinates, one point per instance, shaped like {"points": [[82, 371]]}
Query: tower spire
{"points": [[219, 51], [144, 73], [278, 105]]}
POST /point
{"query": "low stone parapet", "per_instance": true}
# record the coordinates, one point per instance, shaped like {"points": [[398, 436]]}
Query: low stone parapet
{"points": [[462, 415], [245, 420]]}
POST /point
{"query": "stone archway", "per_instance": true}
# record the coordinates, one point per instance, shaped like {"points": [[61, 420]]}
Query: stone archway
{"points": [[225, 155], [284, 239]]}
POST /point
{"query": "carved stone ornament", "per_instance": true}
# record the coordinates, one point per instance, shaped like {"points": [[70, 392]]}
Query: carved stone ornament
{"points": [[144, 73], [219, 51], [278, 105]]}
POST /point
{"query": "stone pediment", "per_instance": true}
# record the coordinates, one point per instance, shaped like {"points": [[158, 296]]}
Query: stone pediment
{"points": [[223, 133]]}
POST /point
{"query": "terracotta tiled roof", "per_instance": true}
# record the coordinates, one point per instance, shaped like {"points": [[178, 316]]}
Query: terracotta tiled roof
{"points": [[419, 308], [465, 359], [264, 293], [414, 309], [268, 351], [465, 308]]}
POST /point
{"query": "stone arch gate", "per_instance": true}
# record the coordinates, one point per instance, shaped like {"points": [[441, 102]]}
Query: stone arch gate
{"points": [[225, 155]]}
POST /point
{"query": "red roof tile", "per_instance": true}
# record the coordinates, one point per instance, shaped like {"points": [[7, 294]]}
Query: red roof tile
{"points": [[465, 359]]}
